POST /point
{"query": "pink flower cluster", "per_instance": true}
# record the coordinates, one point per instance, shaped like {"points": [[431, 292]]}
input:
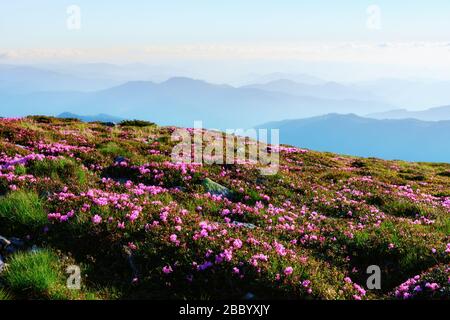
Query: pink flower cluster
{"points": [[9, 163], [413, 286], [60, 148], [287, 150]]}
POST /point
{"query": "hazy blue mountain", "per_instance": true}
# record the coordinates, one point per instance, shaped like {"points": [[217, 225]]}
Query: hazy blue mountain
{"points": [[118, 73], [327, 90], [26, 79], [406, 139], [180, 101], [433, 114], [275, 76], [102, 117], [409, 94]]}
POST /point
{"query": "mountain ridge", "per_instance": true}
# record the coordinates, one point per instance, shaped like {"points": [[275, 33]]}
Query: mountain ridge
{"points": [[431, 114], [405, 139], [190, 99]]}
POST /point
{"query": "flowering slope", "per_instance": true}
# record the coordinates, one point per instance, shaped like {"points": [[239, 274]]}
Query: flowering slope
{"points": [[109, 199]]}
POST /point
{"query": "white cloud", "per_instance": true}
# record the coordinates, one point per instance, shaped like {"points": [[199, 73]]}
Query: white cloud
{"points": [[428, 54]]}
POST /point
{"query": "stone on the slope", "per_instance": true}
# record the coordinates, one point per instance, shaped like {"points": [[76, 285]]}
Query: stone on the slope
{"points": [[4, 242], [120, 159], [2, 264], [15, 245], [216, 189], [244, 224], [17, 242]]}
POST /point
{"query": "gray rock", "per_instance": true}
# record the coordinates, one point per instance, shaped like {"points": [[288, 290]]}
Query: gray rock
{"points": [[216, 189], [2, 264], [120, 159], [17, 242], [15, 245], [244, 224], [4, 242]]}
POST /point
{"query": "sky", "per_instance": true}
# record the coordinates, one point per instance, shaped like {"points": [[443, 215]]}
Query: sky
{"points": [[410, 36]]}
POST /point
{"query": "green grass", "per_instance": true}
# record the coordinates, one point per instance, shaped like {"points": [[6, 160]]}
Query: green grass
{"points": [[65, 170], [41, 275], [136, 123], [36, 274], [22, 209], [4, 295], [113, 149], [20, 170], [43, 119], [403, 208], [443, 224]]}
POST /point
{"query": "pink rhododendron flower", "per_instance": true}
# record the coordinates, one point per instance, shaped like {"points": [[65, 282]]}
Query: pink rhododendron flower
{"points": [[237, 244], [167, 269], [288, 271], [96, 219]]}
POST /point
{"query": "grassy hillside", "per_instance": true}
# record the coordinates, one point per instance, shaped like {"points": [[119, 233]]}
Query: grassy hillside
{"points": [[109, 200]]}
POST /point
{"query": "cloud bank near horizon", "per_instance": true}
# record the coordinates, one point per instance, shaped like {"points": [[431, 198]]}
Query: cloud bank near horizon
{"points": [[403, 53], [366, 60]]}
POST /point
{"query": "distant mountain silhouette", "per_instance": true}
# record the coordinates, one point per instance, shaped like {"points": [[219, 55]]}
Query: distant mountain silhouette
{"points": [[181, 101], [407, 139], [275, 76], [91, 118], [409, 94], [118, 73], [326, 90], [26, 79], [433, 114]]}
